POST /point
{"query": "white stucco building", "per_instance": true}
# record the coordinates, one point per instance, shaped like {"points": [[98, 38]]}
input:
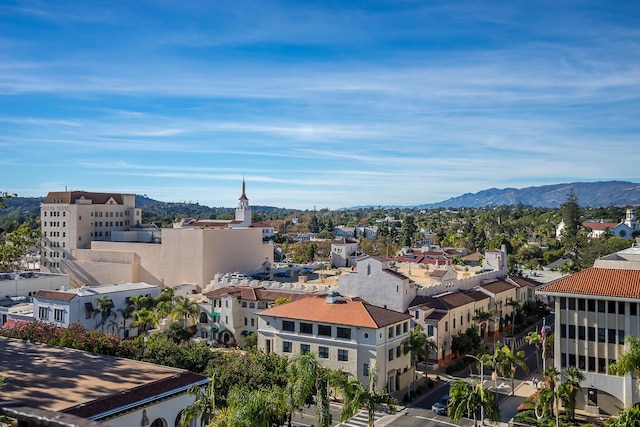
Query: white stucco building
{"points": [[80, 305], [595, 310], [343, 252], [345, 334]]}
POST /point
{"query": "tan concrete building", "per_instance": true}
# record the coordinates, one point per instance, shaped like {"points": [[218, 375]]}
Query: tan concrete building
{"points": [[73, 219], [345, 334]]}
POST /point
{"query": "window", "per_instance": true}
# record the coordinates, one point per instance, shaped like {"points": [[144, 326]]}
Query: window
{"points": [[405, 327], [602, 365], [592, 333], [611, 338], [461, 321], [592, 364], [621, 305], [245, 322], [563, 302], [391, 332], [581, 332], [365, 369], [601, 335], [591, 305], [581, 304], [43, 313], [572, 332], [633, 309], [324, 330], [58, 315], [253, 322], [244, 303], [417, 315], [454, 323], [252, 305], [306, 328], [612, 307], [563, 330], [601, 308], [343, 355], [343, 333], [286, 346], [288, 325], [621, 336], [390, 354], [305, 348], [398, 330], [563, 360], [398, 351], [572, 303], [446, 326], [430, 330], [323, 352], [581, 363]]}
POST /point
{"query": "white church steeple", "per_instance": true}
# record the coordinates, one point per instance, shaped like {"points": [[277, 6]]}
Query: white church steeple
{"points": [[243, 211]]}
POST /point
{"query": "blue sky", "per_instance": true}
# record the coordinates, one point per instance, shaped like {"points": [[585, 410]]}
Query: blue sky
{"points": [[325, 104]]}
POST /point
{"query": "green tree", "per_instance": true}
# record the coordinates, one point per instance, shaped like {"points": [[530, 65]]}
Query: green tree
{"points": [[484, 318], [551, 375], [356, 395], [184, 309], [570, 387], [307, 377], [204, 406], [534, 338], [516, 308], [165, 303], [145, 319], [420, 347], [281, 300], [629, 361], [16, 246], [408, 230], [628, 417], [507, 361], [469, 400], [248, 408], [104, 306]]}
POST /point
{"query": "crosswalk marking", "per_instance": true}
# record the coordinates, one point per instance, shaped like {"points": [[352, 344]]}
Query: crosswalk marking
{"points": [[361, 419]]}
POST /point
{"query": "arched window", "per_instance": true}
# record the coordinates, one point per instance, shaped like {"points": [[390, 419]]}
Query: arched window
{"points": [[204, 318]]}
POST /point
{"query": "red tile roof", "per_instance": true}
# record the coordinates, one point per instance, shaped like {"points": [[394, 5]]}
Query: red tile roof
{"points": [[498, 286], [255, 294], [71, 196], [605, 282], [600, 225], [55, 295], [525, 281], [342, 312]]}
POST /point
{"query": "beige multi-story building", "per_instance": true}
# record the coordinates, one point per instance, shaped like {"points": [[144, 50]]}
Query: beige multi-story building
{"points": [[73, 219], [595, 310], [346, 334]]}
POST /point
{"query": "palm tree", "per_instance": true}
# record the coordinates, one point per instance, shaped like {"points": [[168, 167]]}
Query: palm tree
{"points": [[516, 307], [534, 338], [145, 318], [204, 406], [485, 317], [184, 308], [629, 360], [570, 387], [508, 361], [142, 301], [416, 344], [551, 375], [127, 313], [468, 400], [165, 302], [545, 400], [308, 377], [104, 306], [357, 396]]}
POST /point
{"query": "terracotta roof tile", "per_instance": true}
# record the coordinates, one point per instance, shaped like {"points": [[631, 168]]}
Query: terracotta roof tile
{"points": [[342, 312], [55, 295], [255, 294], [525, 281], [600, 225], [598, 281], [498, 286]]}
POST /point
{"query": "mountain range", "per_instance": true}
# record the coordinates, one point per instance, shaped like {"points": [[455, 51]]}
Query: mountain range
{"points": [[590, 194]]}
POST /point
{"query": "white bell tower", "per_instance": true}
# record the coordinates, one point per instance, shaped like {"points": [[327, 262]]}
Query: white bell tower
{"points": [[243, 211]]}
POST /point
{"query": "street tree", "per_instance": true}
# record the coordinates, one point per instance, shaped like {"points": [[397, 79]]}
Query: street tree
{"points": [[534, 338], [203, 408], [356, 395], [507, 362], [570, 387], [467, 400], [629, 361]]}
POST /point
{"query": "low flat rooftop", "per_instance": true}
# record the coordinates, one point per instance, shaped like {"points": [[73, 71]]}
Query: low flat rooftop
{"points": [[53, 378]]}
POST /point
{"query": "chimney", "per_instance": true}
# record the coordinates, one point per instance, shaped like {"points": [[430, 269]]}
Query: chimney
{"points": [[332, 297]]}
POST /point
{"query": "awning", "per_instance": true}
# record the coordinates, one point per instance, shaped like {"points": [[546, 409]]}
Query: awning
{"points": [[213, 330], [214, 314]]}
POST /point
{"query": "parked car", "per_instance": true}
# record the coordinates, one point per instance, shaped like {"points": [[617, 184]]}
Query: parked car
{"points": [[307, 270], [261, 276], [281, 274], [440, 407]]}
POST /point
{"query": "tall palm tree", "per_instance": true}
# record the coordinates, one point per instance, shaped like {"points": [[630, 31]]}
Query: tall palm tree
{"points": [[534, 338], [165, 302], [357, 396], [307, 377], [416, 344], [468, 399], [516, 307], [508, 361], [204, 407], [142, 301], [484, 318], [184, 308], [551, 375], [544, 403], [570, 387], [127, 314], [104, 306]]}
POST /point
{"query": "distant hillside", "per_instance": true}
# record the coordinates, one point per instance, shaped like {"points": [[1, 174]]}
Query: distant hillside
{"points": [[590, 194]]}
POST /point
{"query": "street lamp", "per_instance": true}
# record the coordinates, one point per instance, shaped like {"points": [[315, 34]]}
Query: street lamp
{"points": [[481, 384]]}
